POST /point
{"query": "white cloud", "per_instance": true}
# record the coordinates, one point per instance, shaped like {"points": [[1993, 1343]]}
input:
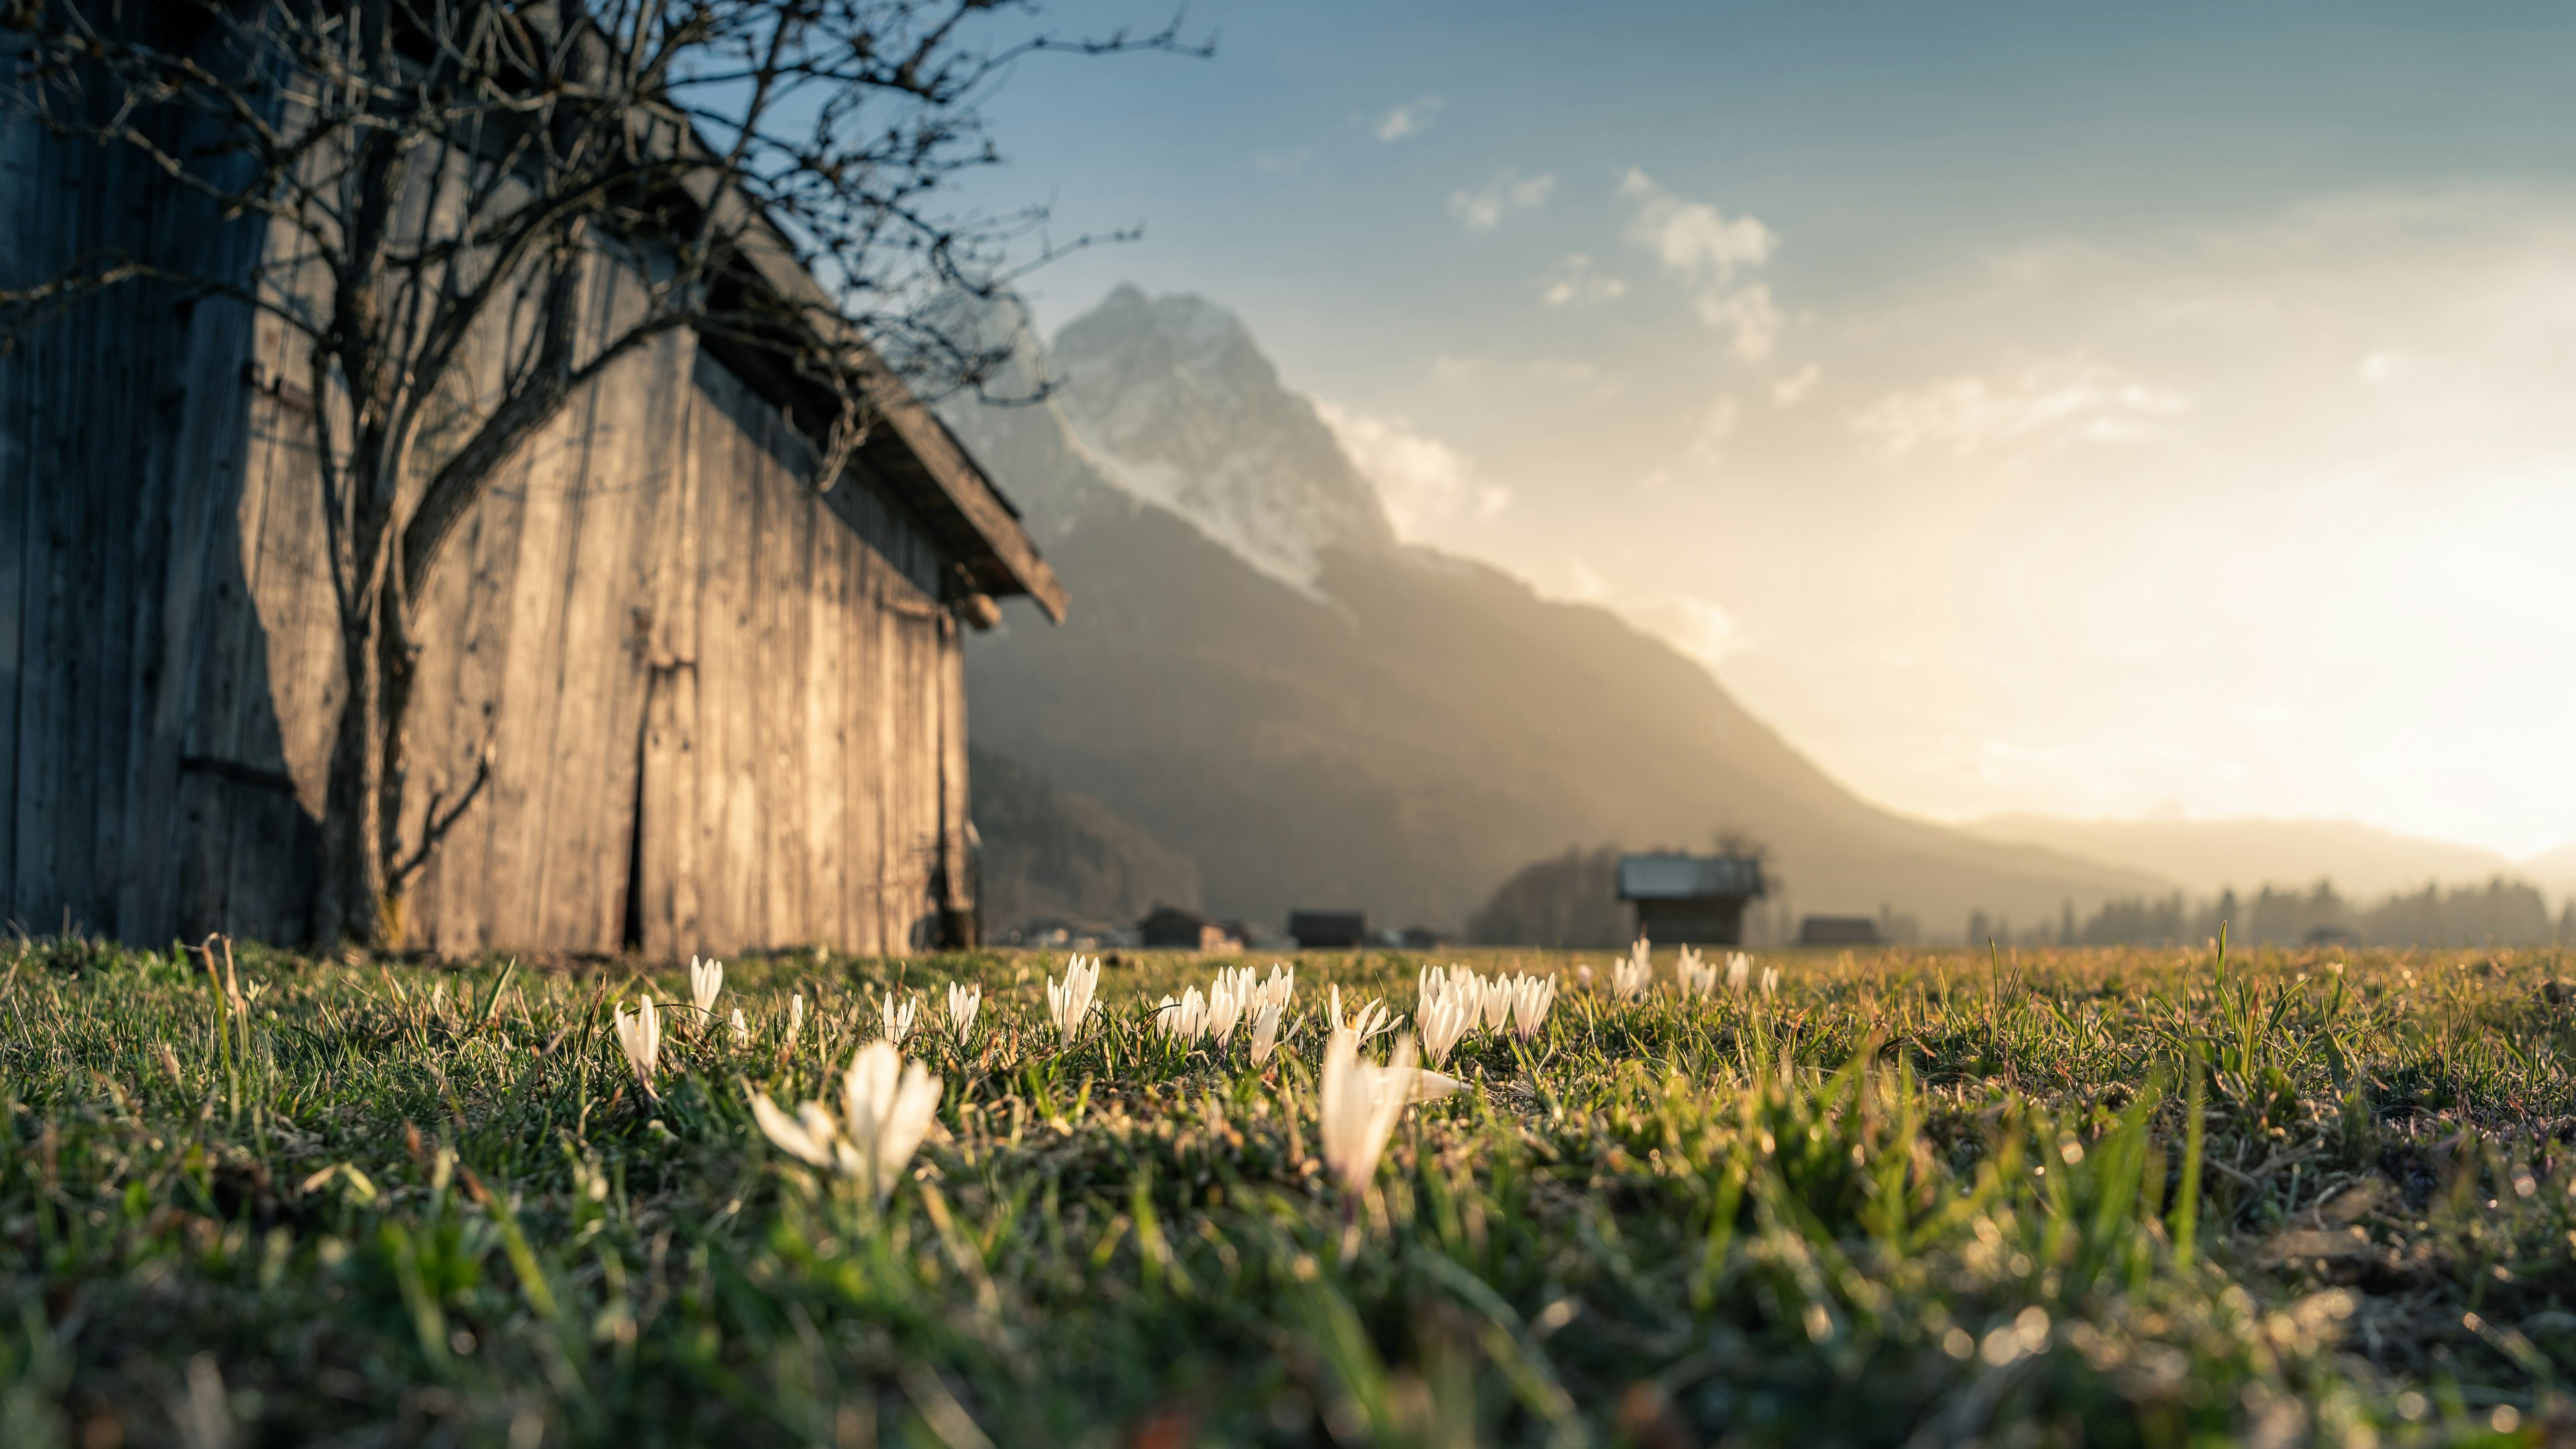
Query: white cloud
{"points": [[1408, 119], [2052, 400], [1541, 379], [1425, 483], [1583, 584], [1483, 209], [1698, 628], [1749, 313], [1789, 391], [1576, 279], [1715, 426], [1693, 238], [1705, 248]]}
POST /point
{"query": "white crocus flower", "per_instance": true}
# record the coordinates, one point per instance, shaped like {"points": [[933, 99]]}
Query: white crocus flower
{"points": [[1481, 1001], [1442, 1019], [1265, 1030], [1739, 971], [1239, 986], [1696, 973], [1498, 1003], [1184, 1020], [1435, 981], [1429, 1086], [641, 1037], [812, 1136], [1770, 980], [887, 1106], [795, 1018], [1531, 998], [1278, 987], [1227, 1001], [1635, 976], [963, 1003], [741, 1029], [1069, 1006], [898, 1017], [1367, 1022], [1358, 1102], [706, 979]]}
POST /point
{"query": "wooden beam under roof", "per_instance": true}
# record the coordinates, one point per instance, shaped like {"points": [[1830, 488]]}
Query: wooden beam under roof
{"points": [[922, 465]]}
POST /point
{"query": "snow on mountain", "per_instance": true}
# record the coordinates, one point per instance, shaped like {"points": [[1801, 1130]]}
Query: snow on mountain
{"points": [[1259, 676], [1175, 402]]}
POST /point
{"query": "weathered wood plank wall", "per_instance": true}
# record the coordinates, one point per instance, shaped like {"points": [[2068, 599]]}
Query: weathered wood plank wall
{"points": [[128, 740], [655, 587], [652, 609], [789, 770]]}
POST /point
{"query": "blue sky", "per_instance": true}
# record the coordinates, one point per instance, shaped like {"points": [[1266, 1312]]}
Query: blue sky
{"points": [[2074, 408]]}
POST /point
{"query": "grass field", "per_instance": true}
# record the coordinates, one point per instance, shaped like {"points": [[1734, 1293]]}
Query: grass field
{"points": [[1923, 1198]]}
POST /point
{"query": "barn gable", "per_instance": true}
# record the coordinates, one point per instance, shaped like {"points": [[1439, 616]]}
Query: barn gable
{"points": [[722, 708]]}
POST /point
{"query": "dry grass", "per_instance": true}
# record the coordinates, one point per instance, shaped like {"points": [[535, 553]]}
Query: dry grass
{"points": [[1918, 1197]]}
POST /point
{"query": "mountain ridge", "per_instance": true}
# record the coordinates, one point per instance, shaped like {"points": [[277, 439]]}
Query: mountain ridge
{"points": [[1399, 730], [1167, 391], [2205, 856]]}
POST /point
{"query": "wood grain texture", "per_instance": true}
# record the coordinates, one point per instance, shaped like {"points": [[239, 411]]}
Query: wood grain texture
{"points": [[654, 622], [680, 596], [121, 434]]}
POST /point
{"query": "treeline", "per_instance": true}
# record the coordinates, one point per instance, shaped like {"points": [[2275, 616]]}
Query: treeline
{"points": [[2498, 913], [1571, 900]]}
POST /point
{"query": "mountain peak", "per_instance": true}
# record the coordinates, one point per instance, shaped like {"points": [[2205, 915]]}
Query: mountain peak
{"points": [[1181, 407]]}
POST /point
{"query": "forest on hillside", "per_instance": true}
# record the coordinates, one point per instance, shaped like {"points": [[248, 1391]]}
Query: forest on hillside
{"points": [[1571, 900], [2499, 912]]}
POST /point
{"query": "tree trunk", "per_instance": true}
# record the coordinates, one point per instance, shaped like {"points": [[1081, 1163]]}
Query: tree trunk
{"points": [[398, 658], [350, 873]]}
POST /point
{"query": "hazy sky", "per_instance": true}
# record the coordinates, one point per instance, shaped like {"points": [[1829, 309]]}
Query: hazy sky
{"points": [[2082, 409]]}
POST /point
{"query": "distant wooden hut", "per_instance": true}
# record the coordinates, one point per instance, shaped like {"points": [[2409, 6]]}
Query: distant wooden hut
{"points": [[724, 709], [1837, 931], [1690, 900], [1328, 930], [1172, 928]]}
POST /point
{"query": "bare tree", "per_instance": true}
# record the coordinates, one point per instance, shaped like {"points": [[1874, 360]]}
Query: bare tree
{"points": [[437, 184]]}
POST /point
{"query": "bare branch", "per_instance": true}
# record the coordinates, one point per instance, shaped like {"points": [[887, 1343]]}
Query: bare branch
{"points": [[436, 824], [424, 186]]}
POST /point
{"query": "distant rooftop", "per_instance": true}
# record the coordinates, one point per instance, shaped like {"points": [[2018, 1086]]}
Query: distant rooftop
{"points": [[1688, 877]]}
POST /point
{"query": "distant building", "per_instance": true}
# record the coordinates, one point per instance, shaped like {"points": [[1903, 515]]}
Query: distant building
{"points": [[1690, 900], [1171, 928], [1838, 931], [1328, 930]]}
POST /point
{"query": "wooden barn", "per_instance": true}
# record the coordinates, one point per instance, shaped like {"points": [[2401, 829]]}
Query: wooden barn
{"points": [[723, 709], [1690, 900]]}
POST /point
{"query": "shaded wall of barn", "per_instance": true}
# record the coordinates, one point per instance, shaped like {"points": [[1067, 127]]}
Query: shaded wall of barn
{"points": [[653, 612], [143, 788]]}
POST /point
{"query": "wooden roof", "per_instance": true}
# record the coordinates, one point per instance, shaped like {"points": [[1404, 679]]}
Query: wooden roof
{"points": [[1671, 877], [909, 453]]}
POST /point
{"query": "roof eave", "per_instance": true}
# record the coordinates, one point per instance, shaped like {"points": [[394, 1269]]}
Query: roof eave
{"points": [[1009, 562]]}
